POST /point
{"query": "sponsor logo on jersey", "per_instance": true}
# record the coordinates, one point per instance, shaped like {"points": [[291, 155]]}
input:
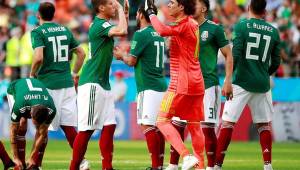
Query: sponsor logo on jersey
{"points": [[204, 35]]}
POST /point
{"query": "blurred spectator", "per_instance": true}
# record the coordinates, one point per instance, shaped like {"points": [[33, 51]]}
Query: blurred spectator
{"points": [[119, 88]]}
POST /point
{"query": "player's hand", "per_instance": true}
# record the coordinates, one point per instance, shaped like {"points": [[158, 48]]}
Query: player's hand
{"points": [[118, 53], [30, 164], [75, 79], [18, 164], [227, 90], [149, 7]]}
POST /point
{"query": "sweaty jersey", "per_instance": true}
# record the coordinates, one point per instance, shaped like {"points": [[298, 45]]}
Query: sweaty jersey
{"points": [[149, 48], [212, 38], [27, 93], [256, 48], [96, 69], [57, 42], [186, 76]]}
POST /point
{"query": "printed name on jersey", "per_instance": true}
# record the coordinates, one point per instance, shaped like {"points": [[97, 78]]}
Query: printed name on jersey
{"points": [[106, 24], [204, 35], [154, 34]]}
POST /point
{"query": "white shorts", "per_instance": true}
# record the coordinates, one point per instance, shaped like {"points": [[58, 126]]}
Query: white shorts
{"points": [[260, 105], [212, 104], [66, 108], [95, 107], [148, 104]]}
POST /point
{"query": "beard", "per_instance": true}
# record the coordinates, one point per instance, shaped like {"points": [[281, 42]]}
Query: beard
{"points": [[138, 23]]}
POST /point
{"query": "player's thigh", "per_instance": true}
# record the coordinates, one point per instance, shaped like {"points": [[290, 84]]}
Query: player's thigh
{"points": [[69, 108], [233, 108], [148, 106], [108, 115], [212, 102], [165, 111], [57, 96], [90, 104], [261, 106]]}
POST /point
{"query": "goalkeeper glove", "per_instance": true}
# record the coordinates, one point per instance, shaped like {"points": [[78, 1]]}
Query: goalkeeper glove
{"points": [[149, 7]]}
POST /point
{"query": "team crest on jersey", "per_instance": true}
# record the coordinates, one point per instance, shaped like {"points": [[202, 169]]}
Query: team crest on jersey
{"points": [[204, 35]]}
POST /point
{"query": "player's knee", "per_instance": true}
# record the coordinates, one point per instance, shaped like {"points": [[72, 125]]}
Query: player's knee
{"points": [[226, 124], [263, 126], [207, 125]]}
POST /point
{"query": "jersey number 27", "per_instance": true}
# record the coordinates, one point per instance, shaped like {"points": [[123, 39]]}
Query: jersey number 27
{"points": [[251, 45]]}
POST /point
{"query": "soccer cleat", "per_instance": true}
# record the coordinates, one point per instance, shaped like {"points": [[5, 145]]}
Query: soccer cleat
{"points": [[209, 168], [189, 162], [84, 165], [172, 167], [268, 167], [217, 167]]}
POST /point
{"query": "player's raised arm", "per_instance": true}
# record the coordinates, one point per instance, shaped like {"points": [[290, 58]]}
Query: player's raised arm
{"points": [[162, 29], [121, 28]]}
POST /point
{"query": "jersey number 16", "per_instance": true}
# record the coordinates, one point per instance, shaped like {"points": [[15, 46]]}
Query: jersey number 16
{"points": [[58, 48]]}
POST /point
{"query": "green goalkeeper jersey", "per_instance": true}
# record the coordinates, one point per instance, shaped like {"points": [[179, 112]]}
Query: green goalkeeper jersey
{"points": [[256, 48], [149, 48], [212, 38], [27, 93], [57, 42], [96, 69]]}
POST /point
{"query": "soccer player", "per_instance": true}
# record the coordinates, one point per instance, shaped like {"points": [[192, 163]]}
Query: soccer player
{"points": [[256, 56], [146, 55], [7, 162], [52, 44], [212, 38], [184, 97], [29, 98], [95, 100]]}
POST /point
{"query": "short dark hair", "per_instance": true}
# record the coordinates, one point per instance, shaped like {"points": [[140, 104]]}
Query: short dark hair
{"points": [[141, 9], [258, 6], [189, 6], [206, 3], [39, 113], [97, 3], [46, 11]]}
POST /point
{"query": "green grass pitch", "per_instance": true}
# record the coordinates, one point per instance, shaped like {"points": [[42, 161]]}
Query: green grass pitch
{"points": [[133, 155]]}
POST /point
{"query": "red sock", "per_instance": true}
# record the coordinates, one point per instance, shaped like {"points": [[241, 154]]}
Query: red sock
{"points": [[161, 141], [174, 155], [3, 155], [106, 144], [222, 144], [21, 144], [210, 145], [266, 144], [153, 145], [39, 156], [79, 148], [70, 133]]}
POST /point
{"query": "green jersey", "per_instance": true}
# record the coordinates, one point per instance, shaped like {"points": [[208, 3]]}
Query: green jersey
{"points": [[27, 93], [149, 48], [256, 47], [96, 69], [57, 42], [212, 38]]}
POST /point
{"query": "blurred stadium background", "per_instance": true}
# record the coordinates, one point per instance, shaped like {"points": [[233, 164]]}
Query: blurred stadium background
{"points": [[18, 18]]}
